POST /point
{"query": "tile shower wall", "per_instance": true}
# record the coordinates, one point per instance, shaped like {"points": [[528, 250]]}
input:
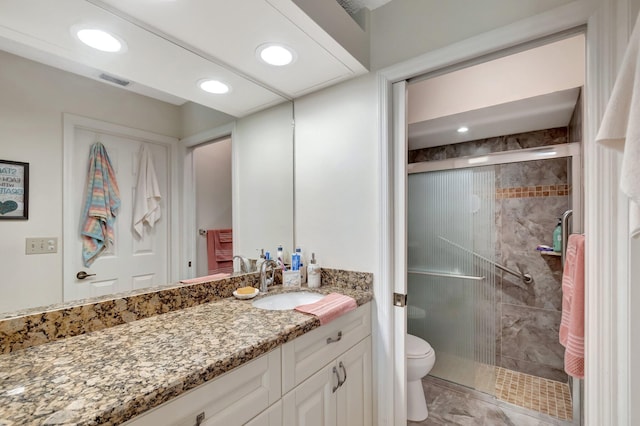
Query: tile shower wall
{"points": [[530, 313], [530, 196]]}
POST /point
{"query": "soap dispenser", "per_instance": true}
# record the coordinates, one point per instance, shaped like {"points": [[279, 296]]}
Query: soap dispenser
{"points": [[557, 237], [313, 272]]}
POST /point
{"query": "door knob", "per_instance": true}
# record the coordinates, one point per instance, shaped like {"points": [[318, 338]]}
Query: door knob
{"points": [[82, 275]]}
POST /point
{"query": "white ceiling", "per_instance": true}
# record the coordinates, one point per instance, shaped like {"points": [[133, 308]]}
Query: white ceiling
{"points": [[531, 90], [171, 45], [526, 115]]}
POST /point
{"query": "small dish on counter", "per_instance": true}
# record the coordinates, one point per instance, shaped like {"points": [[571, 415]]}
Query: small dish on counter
{"points": [[244, 296]]}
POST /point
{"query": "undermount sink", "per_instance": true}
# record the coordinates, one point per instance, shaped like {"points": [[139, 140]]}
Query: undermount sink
{"points": [[284, 301]]}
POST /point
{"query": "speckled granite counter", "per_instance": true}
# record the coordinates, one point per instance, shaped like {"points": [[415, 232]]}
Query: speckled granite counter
{"points": [[111, 375]]}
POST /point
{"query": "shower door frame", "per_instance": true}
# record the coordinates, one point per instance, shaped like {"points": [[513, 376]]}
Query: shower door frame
{"points": [[571, 150]]}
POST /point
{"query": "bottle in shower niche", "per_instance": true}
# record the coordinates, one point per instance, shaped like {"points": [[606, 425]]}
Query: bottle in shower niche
{"points": [[313, 272], [557, 237]]}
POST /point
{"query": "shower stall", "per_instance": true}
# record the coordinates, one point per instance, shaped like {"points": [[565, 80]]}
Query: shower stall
{"points": [[479, 291]]}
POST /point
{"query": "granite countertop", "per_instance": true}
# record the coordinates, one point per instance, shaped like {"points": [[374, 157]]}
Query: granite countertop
{"points": [[110, 376]]}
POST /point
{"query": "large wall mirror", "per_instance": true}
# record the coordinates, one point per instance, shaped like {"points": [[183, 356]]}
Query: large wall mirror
{"points": [[53, 108]]}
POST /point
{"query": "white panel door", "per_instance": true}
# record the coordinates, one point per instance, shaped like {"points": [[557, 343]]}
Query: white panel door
{"points": [[132, 262], [313, 402]]}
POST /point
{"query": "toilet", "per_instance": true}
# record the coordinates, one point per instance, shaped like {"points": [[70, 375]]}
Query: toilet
{"points": [[420, 360]]}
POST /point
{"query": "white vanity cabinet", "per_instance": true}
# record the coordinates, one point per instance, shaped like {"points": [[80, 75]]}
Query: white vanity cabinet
{"points": [[326, 374], [231, 399], [320, 378]]}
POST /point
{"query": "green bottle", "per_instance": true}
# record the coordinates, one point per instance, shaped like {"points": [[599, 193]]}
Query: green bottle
{"points": [[557, 237]]}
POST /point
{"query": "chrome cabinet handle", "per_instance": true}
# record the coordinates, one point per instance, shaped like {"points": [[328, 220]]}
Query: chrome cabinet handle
{"points": [[344, 370], [331, 340], [335, 371], [82, 275]]}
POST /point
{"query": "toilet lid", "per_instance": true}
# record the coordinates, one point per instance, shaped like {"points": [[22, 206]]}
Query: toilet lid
{"points": [[416, 347]]}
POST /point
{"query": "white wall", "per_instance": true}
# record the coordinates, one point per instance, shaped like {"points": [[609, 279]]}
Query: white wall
{"points": [[546, 69], [213, 193], [196, 118], [403, 29], [337, 175], [32, 101], [263, 181]]}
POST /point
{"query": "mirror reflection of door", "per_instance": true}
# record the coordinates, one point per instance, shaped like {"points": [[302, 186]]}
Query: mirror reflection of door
{"points": [[131, 262], [212, 169]]}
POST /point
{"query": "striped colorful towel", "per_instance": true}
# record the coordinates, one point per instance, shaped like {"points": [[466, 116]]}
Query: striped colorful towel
{"points": [[329, 307], [101, 205]]}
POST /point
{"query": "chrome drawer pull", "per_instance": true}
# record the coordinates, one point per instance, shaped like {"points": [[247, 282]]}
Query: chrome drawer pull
{"points": [[199, 419], [335, 371], [344, 370], [331, 340]]}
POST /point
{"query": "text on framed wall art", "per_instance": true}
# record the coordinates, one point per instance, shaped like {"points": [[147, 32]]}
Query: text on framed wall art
{"points": [[14, 190]]}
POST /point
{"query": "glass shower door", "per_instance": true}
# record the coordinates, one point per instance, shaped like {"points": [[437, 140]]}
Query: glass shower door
{"points": [[451, 278]]}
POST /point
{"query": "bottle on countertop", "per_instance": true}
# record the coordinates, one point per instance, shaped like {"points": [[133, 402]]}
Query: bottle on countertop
{"points": [[313, 272], [303, 266], [557, 237]]}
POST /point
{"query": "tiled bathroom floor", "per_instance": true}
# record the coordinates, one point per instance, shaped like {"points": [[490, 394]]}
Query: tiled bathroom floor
{"points": [[543, 395], [452, 404]]}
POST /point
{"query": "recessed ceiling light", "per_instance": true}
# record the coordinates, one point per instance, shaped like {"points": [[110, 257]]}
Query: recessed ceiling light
{"points": [[214, 86], [276, 54], [463, 129], [100, 39]]}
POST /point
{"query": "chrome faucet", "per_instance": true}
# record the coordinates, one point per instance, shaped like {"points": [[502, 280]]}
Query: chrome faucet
{"points": [[265, 281], [243, 263]]}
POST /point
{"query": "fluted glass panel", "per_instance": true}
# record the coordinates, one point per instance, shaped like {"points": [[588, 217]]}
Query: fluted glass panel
{"points": [[451, 280]]}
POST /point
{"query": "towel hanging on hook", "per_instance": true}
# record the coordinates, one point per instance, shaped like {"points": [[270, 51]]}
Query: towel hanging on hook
{"points": [[101, 205], [146, 208]]}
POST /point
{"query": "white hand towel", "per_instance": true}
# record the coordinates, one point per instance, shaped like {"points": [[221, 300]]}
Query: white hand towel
{"points": [[146, 208], [620, 128]]}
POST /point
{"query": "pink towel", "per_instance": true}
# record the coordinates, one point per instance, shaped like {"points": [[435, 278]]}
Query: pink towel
{"points": [[223, 244], [572, 322], [329, 307], [219, 262], [205, 279]]}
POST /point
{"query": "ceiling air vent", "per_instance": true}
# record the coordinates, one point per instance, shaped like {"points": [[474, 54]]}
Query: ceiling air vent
{"points": [[115, 80]]}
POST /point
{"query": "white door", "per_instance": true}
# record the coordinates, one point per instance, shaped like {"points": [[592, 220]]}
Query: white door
{"points": [[354, 405], [132, 262], [400, 151], [313, 402]]}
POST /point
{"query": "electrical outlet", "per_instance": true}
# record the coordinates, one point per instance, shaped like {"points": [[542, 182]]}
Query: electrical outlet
{"points": [[42, 245]]}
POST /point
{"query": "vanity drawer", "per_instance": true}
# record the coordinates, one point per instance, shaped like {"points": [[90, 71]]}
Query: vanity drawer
{"points": [[307, 354], [231, 399]]}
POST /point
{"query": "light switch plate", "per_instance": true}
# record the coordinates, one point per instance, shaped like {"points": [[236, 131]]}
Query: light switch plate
{"points": [[41, 245]]}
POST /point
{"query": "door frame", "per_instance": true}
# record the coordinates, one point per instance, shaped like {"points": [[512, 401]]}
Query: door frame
{"points": [[71, 122], [189, 231], [607, 396]]}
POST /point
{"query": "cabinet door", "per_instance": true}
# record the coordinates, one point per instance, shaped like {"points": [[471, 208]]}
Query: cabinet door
{"points": [[269, 417], [313, 402], [354, 406]]}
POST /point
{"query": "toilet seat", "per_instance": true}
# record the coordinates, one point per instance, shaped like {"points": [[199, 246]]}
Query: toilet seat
{"points": [[417, 347]]}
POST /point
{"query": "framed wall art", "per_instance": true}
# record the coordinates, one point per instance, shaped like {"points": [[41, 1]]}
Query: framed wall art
{"points": [[14, 190]]}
